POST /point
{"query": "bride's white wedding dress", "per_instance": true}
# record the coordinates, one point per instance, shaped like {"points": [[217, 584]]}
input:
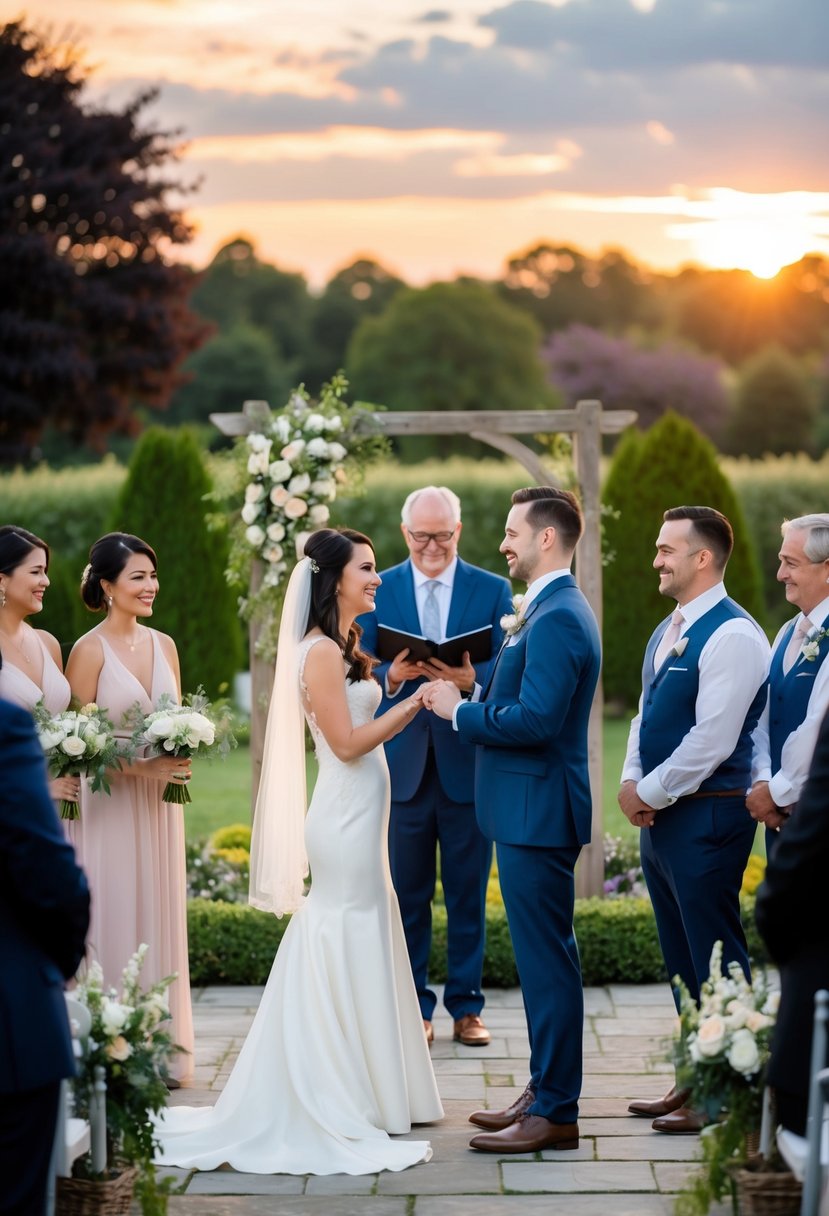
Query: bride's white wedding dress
{"points": [[336, 1057]]}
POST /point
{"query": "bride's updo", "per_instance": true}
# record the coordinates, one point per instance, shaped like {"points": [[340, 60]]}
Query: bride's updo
{"points": [[107, 559], [331, 549]]}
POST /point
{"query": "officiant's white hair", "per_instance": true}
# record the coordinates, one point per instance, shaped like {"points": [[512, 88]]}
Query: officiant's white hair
{"points": [[816, 546], [449, 497]]}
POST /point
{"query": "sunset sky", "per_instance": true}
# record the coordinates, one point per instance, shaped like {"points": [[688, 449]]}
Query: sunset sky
{"points": [[442, 140]]}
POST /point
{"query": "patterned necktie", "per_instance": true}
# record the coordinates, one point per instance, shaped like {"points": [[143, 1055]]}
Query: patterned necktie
{"points": [[801, 631], [431, 612], [668, 640]]}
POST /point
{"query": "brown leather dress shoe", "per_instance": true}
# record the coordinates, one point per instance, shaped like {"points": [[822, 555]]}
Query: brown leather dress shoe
{"points": [[673, 1099], [428, 1030], [497, 1120], [528, 1134], [470, 1030], [683, 1122]]}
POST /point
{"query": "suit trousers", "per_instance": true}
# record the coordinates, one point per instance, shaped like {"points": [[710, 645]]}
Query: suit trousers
{"points": [[693, 860], [539, 896], [416, 829], [27, 1131]]}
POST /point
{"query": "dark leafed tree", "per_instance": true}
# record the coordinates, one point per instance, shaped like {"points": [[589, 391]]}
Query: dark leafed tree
{"points": [[93, 315]]}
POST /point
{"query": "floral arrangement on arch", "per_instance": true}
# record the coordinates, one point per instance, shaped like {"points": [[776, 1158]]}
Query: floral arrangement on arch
{"points": [[721, 1055], [294, 465]]}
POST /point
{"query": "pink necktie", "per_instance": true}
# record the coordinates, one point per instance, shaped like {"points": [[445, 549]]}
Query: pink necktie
{"points": [[668, 640], [801, 632]]}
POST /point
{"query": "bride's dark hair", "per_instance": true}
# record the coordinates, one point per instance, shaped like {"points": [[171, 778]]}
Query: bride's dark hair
{"points": [[331, 549]]}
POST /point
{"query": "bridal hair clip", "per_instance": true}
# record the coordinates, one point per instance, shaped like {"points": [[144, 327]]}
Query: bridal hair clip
{"points": [[314, 567], [87, 570]]}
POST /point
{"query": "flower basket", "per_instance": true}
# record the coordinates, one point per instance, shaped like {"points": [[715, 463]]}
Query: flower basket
{"points": [[764, 1191], [90, 1197]]}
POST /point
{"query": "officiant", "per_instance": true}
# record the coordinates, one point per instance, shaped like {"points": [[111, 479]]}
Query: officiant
{"points": [[436, 595]]}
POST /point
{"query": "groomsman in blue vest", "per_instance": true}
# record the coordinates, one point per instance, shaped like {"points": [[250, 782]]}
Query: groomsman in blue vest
{"points": [[532, 796], [798, 695], [688, 763], [436, 594]]}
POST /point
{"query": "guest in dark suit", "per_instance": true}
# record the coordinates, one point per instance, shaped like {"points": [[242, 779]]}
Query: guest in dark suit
{"points": [[437, 595], [532, 796], [44, 915], [688, 763], [791, 916]]}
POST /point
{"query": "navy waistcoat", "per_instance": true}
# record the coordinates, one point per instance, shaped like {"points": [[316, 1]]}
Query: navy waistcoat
{"points": [[789, 694]]}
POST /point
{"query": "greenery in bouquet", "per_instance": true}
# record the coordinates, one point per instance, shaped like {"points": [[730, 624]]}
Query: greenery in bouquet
{"points": [[194, 728], [130, 1039], [79, 743], [290, 470], [721, 1055]]}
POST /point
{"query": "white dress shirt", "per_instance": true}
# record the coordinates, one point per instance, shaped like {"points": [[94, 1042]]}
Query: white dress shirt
{"points": [[785, 785], [733, 664]]}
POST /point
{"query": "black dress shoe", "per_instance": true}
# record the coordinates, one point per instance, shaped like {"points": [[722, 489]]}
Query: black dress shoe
{"points": [[672, 1101], [528, 1134], [497, 1120]]}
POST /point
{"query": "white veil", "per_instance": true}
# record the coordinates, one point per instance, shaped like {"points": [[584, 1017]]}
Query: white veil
{"points": [[278, 862]]}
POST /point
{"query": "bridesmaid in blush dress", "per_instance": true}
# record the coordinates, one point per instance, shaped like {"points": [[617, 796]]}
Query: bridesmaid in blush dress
{"points": [[130, 843], [31, 670]]}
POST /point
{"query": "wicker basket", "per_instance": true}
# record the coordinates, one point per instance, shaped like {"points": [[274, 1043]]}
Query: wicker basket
{"points": [[85, 1197], [766, 1192]]}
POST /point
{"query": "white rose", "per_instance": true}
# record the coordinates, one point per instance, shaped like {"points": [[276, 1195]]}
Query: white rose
{"points": [[282, 428], [300, 541], [743, 1055], [254, 492], [317, 448], [255, 536], [736, 1015], [273, 553], [119, 1049], [279, 496], [113, 1015], [50, 739], [160, 728], [711, 1035], [319, 514], [276, 532], [757, 1021], [258, 442], [315, 423], [280, 470], [250, 511], [73, 746], [334, 424], [295, 508], [258, 463], [336, 451], [90, 737], [299, 484], [324, 487], [772, 1003], [293, 451]]}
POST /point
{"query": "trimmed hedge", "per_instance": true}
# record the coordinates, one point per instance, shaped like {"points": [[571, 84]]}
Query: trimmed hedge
{"points": [[236, 944]]}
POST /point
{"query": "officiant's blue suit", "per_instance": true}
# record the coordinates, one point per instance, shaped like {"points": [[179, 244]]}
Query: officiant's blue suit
{"points": [[432, 781], [532, 797]]}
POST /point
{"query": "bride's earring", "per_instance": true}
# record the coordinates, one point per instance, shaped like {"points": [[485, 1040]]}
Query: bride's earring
{"points": [[109, 601], [2, 597]]}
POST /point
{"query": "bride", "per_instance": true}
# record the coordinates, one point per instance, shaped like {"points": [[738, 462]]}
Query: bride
{"points": [[336, 1059]]}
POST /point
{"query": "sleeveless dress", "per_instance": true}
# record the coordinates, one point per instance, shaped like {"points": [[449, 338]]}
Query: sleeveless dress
{"points": [[131, 845], [336, 1057], [17, 687]]}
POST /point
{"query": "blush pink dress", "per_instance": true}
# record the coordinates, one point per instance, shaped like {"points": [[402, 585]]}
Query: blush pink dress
{"points": [[19, 688], [131, 845]]}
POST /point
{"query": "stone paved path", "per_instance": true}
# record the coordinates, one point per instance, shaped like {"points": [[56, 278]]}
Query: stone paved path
{"points": [[621, 1167]]}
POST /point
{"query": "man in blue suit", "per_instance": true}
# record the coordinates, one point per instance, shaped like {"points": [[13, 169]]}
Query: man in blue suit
{"points": [[688, 763], [532, 796], [798, 692], [437, 595], [44, 916]]}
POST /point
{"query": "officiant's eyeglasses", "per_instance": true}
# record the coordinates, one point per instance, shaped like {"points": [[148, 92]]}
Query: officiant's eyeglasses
{"points": [[423, 538]]}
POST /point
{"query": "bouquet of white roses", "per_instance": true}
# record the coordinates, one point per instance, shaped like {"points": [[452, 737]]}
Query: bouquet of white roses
{"points": [[78, 743], [193, 728]]}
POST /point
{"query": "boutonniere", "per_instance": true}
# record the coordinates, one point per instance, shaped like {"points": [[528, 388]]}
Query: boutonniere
{"points": [[512, 622], [679, 648], [811, 647]]}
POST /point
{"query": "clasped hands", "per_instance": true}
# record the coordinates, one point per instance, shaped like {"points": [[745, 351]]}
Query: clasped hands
{"points": [[446, 683], [633, 808]]}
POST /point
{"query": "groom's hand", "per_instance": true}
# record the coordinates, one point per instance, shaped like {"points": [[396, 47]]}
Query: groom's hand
{"points": [[462, 677], [638, 812], [441, 697]]}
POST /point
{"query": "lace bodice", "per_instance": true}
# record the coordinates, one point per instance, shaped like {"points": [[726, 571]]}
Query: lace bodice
{"points": [[363, 698]]}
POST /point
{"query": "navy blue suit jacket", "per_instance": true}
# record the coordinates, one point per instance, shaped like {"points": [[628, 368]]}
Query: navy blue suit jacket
{"points": [[44, 915], [531, 780], [478, 599]]}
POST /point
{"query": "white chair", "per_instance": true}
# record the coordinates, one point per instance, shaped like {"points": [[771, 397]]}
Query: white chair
{"points": [[808, 1156]]}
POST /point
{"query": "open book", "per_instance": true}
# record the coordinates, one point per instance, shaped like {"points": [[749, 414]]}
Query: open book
{"points": [[478, 642]]}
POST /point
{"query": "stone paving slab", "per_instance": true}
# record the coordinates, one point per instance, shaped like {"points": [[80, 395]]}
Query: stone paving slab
{"points": [[469, 1176], [567, 1177], [304, 1205], [545, 1205]]}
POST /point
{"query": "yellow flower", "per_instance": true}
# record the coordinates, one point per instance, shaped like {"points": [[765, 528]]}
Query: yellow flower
{"points": [[754, 874]]}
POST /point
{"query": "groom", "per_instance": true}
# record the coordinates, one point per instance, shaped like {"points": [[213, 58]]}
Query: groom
{"points": [[532, 796]]}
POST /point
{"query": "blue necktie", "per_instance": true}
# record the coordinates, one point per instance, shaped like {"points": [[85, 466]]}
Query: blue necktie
{"points": [[431, 612]]}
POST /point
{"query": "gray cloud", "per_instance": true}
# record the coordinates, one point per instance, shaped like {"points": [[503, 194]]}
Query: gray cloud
{"points": [[435, 16]]}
